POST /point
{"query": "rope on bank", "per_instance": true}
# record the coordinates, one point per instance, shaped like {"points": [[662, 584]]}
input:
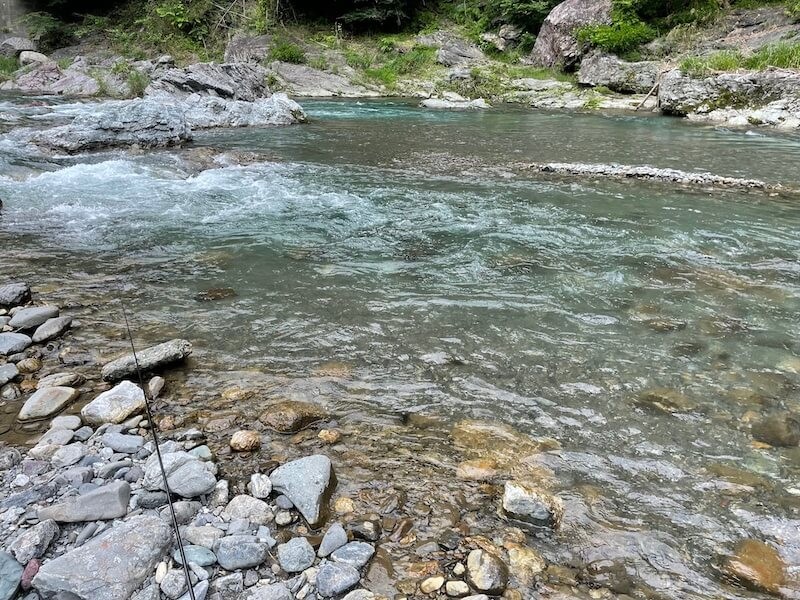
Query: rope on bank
{"points": [[148, 410]]}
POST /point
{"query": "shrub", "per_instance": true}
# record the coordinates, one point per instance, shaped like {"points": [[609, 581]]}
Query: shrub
{"points": [[793, 9], [781, 55], [137, 82], [286, 51], [7, 67], [619, 38]]}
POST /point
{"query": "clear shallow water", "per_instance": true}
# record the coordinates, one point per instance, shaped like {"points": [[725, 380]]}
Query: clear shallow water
{"points": [[406, 246]]}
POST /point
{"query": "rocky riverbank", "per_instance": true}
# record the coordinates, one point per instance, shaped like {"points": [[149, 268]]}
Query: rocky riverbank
{"points": [[84, 509]]}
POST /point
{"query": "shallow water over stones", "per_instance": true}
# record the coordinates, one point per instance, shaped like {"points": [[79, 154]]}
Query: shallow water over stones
{"points": [[458, 323]]}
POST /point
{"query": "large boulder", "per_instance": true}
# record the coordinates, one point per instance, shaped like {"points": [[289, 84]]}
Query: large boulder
{"points": [[681, 94], [600, 69], [111, 566], [187, 475], [140, 123], [234, 81], [148, 359], [12, 47], [452, 50], [48, 78], [203, 112], [29, 57], [557, 44]]}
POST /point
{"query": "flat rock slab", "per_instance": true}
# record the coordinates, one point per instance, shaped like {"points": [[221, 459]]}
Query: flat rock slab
{"points": [[11, 343], [61, 379], [29, 318], [308, 483], [120, 442], [46, 402], [52, 328], [115, 405], [186, 474], [111, 566], [106, 502], [149, 359], [14, 294]]}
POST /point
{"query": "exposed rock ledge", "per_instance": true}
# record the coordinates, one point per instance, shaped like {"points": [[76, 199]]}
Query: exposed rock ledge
{"points": [[158, 122], [617, 171]]}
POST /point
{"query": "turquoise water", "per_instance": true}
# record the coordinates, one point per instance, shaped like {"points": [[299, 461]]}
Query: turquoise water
{"points": [[409, 246]]}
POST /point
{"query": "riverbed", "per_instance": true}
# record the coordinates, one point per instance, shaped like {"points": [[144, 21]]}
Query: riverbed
{"points": [[397, 267]]}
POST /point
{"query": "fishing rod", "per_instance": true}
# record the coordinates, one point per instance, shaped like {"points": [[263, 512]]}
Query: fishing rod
{"points": [[149, 411]]}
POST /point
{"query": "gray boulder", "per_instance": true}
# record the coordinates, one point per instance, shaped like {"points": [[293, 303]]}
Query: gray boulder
{"points": [[682, 94], [52, 328], [308, 482], [10, 575], [120, 442], [150, 359], [11, 343], [12, 47], [13, 294], [109, 501], [240, 552], [140, 123], [29, 318], [452, 50], [33, 542], [557, 43], [114, 405], [204, 112], [47, 401], [111, 566], [186, 474], [246, 507], [618, 75], [234, 81], [29, 57]]}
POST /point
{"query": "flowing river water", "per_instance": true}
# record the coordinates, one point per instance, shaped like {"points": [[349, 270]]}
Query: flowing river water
{"points": [[393, 265]]}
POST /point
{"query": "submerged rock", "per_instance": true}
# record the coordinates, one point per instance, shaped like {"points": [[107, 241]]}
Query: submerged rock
{"points": [[782, 430], [245, 441], [115, 405], [149, 359], [756, 566], [291, 416], [486, 572], [523, 503], [308, 482], [47, 401], [557, 42], [13, 294], [664, 400], [111, 566]]}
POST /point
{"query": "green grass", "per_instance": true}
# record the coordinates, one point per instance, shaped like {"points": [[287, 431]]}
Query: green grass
{"points": [[7, 67], [782, 55], [389, 66], [618, 38], [286, 51], [137, 82]]}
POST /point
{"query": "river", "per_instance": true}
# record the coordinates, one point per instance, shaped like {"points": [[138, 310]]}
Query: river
{"points": [[397, 266]]}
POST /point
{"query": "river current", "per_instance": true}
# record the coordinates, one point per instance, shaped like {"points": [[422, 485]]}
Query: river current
{"points": [[396, 265]]}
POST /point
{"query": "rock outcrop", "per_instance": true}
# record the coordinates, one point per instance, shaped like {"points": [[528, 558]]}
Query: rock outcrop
{"points": [[231, 81], [600, 69], [557, 44], [302, 80], [769, 97]]}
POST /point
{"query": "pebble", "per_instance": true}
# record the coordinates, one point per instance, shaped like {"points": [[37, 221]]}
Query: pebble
{"points": [[259, 486], [456, 589], [283, 518], [246, 507], [431, 585], [174, 584], [290, 416], [120, 442], [71, 422], [240, 552], [198, 555], [69, 454], [29, 365], [245, 441], [296, 555]]}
